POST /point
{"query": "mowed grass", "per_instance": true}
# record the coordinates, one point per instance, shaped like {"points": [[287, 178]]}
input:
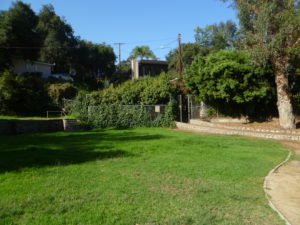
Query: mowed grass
{"points": [[135, 176]]}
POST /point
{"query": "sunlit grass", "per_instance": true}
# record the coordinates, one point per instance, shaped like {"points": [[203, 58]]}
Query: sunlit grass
{"points": [[135, 176]]}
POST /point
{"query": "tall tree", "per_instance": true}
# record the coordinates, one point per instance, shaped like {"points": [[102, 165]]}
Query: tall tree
{"points": [[93, 60], [217, 36], [18, 35], [58, 40], [142, 52], [272, 34], [189, 52]]}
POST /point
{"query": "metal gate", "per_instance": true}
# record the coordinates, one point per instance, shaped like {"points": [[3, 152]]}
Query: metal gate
{"points": [[190, 108]]}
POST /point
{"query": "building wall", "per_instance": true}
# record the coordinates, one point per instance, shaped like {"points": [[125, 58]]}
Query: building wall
{"points": [[21, 66], [147, 68]]}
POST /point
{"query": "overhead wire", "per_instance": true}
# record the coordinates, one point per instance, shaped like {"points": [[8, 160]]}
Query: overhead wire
{"points": [[66, 47]]}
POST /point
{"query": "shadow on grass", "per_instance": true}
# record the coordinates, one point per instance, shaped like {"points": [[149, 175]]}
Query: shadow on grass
{"points": [[39, 150]]}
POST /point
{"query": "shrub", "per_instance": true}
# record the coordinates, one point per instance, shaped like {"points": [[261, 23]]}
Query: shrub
{"points": [[120, 116], [154, 90], [228, 80], [59, 91], [23, 95]]}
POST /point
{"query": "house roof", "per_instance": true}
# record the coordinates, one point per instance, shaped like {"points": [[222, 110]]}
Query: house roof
{"points": [[35, 62], [153, 62], [43, 63]]}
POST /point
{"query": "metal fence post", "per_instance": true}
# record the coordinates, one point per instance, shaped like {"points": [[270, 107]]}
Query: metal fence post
{"points": [[180, 106], [189, 108]]}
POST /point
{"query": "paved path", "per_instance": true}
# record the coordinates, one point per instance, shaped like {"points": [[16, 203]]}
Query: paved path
{"points": [[283, 186]]}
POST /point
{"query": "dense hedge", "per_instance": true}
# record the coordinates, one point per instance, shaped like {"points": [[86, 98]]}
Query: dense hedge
{"points": [[142, 91], [30, 95], [23, 95], [120, 116]]}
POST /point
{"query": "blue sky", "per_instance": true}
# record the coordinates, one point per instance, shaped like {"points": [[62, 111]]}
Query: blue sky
{"points": [[136, 22]]}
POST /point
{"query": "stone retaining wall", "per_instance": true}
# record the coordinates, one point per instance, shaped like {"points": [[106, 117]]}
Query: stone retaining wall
{"points": [[216, 130], [37, 126], [209, 124]]}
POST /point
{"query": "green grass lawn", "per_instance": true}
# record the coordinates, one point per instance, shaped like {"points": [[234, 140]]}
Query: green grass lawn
{"points": [[135, 176]]}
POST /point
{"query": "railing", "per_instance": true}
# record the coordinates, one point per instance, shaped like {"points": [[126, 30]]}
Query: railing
{"points": [[62, 113]]}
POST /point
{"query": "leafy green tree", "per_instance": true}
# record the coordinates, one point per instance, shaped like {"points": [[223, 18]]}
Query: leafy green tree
{"points": [[142, 52], [122, 73], [93, 61], [189, 52], [228, 76], [18, 35], [217, 36], [58, 40], [271, 29]]}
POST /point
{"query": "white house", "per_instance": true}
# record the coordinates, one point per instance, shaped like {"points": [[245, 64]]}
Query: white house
{"points": [[26, 66]]}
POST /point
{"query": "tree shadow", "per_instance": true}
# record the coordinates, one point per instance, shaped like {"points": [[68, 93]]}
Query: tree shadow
{"points": [[40, 150]]}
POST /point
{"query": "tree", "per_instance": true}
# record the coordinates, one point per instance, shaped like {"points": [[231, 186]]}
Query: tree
{"points": [[93, 61], [142, 52], [217, 36], [271, 29], [228, 76], [18, 36], [57, 39], [189, 52]]}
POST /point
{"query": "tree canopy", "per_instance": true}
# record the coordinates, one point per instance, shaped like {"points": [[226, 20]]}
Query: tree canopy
{"points": [[217, 36], [142, 52], [17, 33], [47, 37], [228, 76], [57, 39], [272, 35], [189, 52]]}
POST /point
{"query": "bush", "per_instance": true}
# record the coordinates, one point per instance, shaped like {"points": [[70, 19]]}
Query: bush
{"points": [[59, 91], [143, 91], [24, 95], [228, 80], [120, 116]]}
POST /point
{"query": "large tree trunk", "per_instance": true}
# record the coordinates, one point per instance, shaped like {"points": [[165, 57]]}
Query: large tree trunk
{"points": [[285, 109]]}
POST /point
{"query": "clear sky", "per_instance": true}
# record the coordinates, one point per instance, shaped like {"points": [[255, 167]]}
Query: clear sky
{"points": [[136, 22]]}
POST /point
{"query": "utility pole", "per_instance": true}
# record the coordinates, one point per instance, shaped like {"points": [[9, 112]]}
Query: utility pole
{"points": [[119, 45], [179, 56]]}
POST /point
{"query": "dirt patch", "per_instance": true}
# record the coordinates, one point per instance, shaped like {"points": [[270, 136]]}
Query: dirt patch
{"points": [[284, 187], [285, 191]]}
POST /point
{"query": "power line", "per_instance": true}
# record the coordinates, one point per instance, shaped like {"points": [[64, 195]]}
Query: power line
{"points": [[179, 56], [137, 42], [38, 47]]}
